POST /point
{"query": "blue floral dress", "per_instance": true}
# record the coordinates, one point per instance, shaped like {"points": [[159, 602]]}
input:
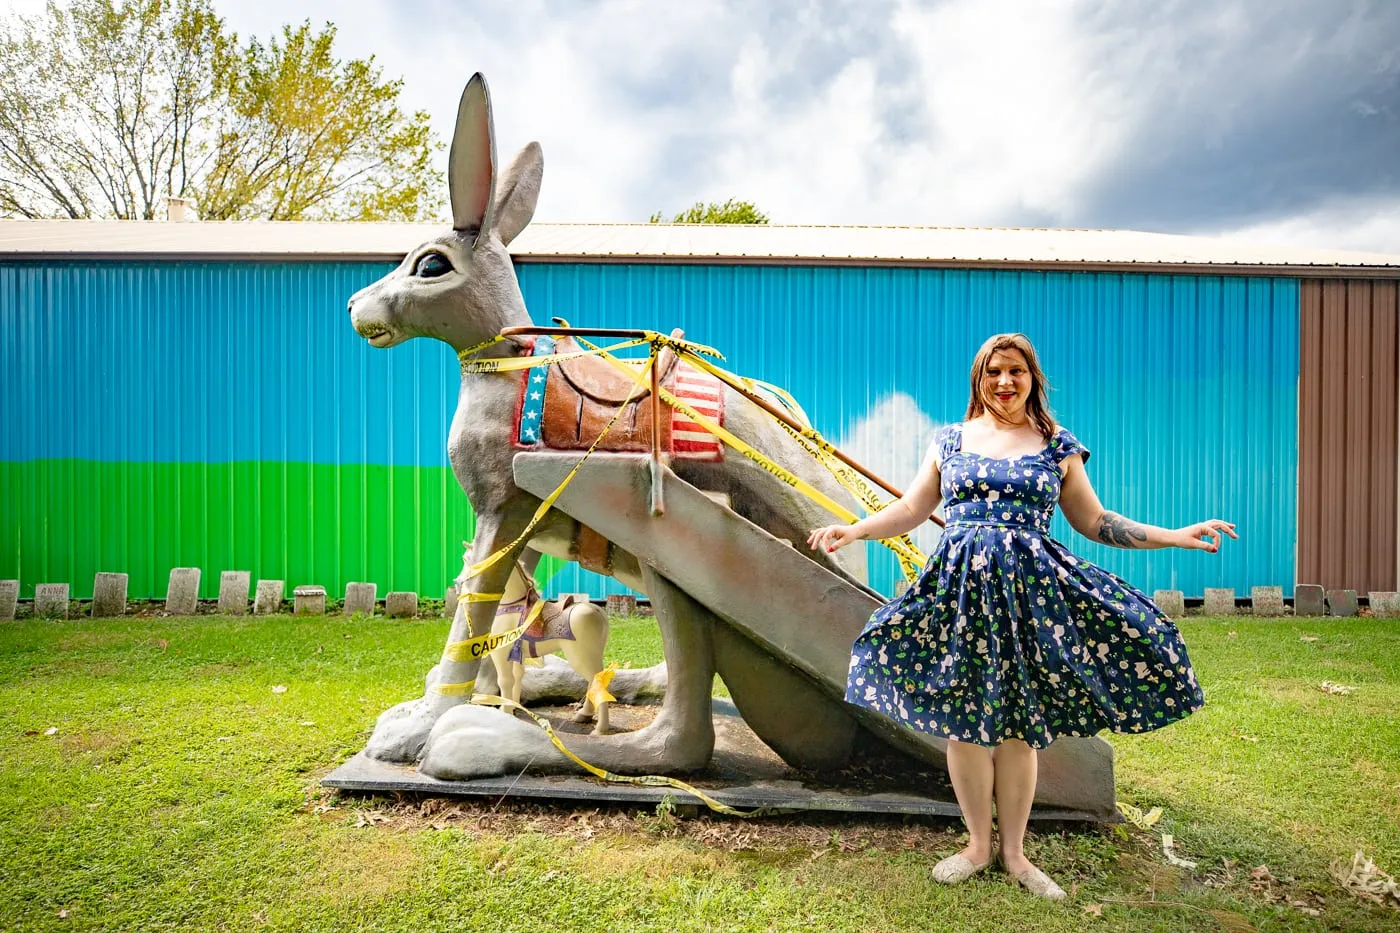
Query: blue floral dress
{"points": [[1006, 634]]}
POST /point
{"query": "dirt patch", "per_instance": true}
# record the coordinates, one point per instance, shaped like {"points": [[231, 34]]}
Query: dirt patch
{"points": [[805, 831]]}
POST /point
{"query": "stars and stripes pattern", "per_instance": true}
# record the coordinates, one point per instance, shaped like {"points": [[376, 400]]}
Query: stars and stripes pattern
{"points": [[705, 394], [532, 395]]}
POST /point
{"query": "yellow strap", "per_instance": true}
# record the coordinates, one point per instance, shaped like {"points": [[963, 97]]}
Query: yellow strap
{"points": [[481, 597], [516, 363], [478, 647], [463, 689], [646, 780]]}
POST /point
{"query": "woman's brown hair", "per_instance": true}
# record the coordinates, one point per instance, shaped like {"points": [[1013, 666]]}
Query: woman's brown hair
{"points": [[1037, 408]]}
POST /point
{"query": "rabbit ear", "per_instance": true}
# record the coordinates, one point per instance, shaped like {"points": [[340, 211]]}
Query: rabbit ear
{"points": [[520, 191], [471, 162]]}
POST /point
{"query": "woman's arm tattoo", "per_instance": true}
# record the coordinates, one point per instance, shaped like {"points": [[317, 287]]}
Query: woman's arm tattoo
{"points": [[1118, 531]]}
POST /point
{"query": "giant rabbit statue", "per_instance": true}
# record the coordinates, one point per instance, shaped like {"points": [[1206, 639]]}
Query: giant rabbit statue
{"points": [[461, 288]]}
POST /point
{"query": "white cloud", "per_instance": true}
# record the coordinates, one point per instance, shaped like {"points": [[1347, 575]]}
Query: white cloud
{"points": [[890, 440]]}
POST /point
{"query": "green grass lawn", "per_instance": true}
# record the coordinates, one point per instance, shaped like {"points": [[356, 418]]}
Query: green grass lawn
{"points": [[180, 791]]}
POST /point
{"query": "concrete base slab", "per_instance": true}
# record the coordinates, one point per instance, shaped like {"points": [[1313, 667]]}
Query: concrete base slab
{"points": [[743, 773]]}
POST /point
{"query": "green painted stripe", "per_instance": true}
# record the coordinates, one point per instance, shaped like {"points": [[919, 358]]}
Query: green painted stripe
{"points": [[399, 527]]}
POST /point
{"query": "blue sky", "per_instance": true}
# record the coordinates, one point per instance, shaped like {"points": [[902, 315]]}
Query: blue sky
{"points": [[1275, 120]]}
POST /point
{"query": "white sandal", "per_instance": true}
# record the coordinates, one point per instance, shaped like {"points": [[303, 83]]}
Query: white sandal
{"points": [[957, 868], [1038, 883]]}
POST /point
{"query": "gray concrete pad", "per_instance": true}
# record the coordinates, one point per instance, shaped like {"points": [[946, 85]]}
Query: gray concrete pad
{"points": [[360, 597], [1219, 601], [743, 773], [401, 605], [1341, 602], [309, 601], [51, 600], [108, 595], [1266, 600], [1309, 600], [233, 592], [1171, 602], [1383, 605], [268, 598], [9, 598], [182, 593]]}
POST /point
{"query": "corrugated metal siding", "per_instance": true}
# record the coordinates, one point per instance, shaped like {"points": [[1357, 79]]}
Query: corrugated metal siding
{"points": [[1347, 397], [225, 415]]}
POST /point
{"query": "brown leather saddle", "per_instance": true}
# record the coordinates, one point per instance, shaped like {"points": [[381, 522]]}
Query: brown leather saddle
{"points": [[582, 395]]}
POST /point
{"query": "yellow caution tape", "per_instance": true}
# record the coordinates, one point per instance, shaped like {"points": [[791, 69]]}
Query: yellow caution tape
{"points": [[479, 646], [480, 597], [454, 690], [646, 780], [516, 363]]}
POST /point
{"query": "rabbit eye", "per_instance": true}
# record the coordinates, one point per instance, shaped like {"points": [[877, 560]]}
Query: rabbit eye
{"points": [[431, 265]]}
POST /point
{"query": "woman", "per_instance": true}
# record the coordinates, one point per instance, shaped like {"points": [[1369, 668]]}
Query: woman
{"points": [[1007, 641]]}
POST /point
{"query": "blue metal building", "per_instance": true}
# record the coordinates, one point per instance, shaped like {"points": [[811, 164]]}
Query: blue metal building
{"points": [[193, 394]]}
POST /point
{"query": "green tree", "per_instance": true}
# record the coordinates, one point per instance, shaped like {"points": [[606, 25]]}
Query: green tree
{"points": [[108, 106], [730, 212]]}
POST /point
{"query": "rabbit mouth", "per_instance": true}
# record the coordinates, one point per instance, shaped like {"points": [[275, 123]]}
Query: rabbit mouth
{"points": [[377, 334]]}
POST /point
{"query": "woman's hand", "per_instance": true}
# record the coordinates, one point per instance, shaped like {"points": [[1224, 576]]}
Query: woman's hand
{"points": [[832, 538], [1204, 536]]}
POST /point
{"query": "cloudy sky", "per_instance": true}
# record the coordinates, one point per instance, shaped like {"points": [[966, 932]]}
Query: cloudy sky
{"points": [[1278, 120]]}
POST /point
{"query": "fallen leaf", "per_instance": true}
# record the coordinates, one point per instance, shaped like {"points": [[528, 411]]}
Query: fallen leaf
{"points": [[306, 722], [319, 649], [370, 818], [1231, 634], [280, 688], [1328, 687], [1245, 738], [163, 643], [1307, 638], [63, 914], [51, 730], [1094, 910]]}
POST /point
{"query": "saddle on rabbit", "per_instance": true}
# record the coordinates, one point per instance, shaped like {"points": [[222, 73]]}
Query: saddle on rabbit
{"points": [[565, 405]]}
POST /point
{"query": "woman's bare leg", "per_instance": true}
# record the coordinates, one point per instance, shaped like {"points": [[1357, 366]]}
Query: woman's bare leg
{"points": [[971, 771], [1014, 764]]}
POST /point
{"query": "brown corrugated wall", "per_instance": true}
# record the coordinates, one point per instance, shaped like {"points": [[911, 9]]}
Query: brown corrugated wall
{"points": [[1348, 392]]}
